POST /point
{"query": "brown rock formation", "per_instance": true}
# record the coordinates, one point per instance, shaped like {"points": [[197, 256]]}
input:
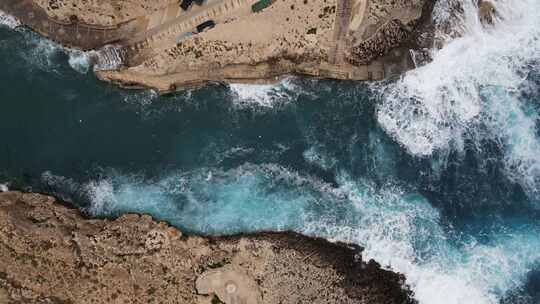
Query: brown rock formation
{"points": [[50, 254], [487, 12], [163, 47]]}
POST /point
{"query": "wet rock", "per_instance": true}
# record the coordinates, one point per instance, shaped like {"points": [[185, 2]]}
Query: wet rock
{"points": [[151, 45], [487, 12]]}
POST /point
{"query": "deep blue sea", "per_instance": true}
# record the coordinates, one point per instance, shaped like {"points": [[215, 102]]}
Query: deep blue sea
{"points": [[436, 173]]}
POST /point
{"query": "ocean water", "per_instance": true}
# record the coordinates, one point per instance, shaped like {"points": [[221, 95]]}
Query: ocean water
{"points": [[436, 173]]}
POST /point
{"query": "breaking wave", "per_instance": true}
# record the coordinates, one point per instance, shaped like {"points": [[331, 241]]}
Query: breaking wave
{"points": [[264, 95], [471, 89], [474, 91], [48, 55], [8, 20], [398, 227]]}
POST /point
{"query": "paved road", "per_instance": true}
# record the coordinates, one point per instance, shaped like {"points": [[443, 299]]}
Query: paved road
{"points": [[188, 20], [166, 33], [341, 27]]}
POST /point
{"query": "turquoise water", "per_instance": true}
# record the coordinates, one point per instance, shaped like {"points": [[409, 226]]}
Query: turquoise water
{"points": [[447, 195]]}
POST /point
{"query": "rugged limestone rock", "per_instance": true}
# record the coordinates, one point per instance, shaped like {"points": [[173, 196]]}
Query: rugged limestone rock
{"points": [[50, 254], [487, 12], [163, 46], [230, 284]]}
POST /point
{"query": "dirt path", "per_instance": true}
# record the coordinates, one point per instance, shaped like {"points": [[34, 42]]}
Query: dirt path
{"points": [[173, 24]]}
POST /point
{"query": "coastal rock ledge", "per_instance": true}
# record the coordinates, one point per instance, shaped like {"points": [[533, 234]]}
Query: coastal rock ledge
{"points": [[49, 253], [172, 44]]}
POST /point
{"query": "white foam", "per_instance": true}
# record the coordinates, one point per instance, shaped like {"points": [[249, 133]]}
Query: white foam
{"points": [[516, 125], [435, 106], [264, 95], [315, 156], [469, 91], [441, 104], [8, 20], [4, 188], [109, 57], [80, 61], [47, 55], [398, 229], [101, 194], [403, 231], [42, 53], [228, 202]]}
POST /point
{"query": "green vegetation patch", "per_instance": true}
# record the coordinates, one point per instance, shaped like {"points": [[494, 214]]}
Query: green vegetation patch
{"points": [[259, 6]]}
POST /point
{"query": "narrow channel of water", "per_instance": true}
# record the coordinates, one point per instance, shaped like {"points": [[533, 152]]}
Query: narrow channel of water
{"points": [[437, 173]]}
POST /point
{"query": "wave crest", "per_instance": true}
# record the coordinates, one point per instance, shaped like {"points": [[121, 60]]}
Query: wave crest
{"points": [[470, 90]]}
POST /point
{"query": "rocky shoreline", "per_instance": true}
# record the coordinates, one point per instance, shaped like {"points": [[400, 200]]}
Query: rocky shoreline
{"points": [[49, 253], [159, 45]]}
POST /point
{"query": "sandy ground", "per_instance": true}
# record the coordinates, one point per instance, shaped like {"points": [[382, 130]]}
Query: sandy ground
{"points": [[102, 12]]}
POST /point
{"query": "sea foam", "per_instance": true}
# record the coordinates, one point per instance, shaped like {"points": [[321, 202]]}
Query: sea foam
{"points": [[264, 95], [472, 85], [8, 20], [399, 228]]}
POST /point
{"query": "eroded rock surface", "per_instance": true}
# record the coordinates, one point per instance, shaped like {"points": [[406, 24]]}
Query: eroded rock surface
{"points": [[50, 254], [164, 46], [487, 12]]}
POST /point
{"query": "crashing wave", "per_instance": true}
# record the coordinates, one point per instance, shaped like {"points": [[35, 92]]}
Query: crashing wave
{"points": [[44, 53], [264, 95], [110, 57], [471, 80], [8, 20]]}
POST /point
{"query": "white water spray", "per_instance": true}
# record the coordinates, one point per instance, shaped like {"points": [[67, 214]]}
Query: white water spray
{"points": [[8, 20], [438, 106], [264, 95], [42, 52], [398, 229]]}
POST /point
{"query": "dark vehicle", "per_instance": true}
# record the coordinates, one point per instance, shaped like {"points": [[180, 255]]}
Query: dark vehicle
{"points": [[262, 4], [207, 24], [186, 4]]}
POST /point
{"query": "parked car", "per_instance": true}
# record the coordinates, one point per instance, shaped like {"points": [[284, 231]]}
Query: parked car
{"points": [[186, 4], [262, 4], [205, 25]]}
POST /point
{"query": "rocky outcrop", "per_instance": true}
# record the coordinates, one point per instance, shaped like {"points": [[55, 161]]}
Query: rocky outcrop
{"points": [[390, 25], [49, 253], [248, 40], [487, 12], [387, 38]]}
